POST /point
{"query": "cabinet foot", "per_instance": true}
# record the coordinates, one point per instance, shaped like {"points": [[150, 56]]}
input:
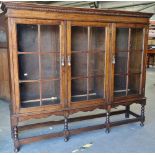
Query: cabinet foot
{"points": [[66, 139], [107, 131], [142, 124], [16, 150], [127, 111]]}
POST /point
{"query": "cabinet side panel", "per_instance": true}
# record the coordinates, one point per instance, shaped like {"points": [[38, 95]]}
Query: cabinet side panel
{"points": [[146, 30]]}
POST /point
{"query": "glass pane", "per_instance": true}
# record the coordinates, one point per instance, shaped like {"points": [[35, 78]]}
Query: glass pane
{"points": [[121, 56], [96, 63], [49, 38], [137, 39], [135, 62], [27, 38], [29, 94], [88, 58], [122, 39], [79, 89], [136, 50], [79, 64], [51, 92], [79, 37], [97, 38], [96, 87], [28, 67], [120, 85], [134, 84], [121, 62], [50, 66]]}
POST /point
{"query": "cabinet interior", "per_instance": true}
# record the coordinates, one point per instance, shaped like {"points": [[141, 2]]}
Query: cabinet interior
{"points": [[39, 64], [88, 62], [128, 70]]}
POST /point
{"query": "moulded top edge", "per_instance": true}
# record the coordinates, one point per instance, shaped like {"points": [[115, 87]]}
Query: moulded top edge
{"points": [[44, 7]]}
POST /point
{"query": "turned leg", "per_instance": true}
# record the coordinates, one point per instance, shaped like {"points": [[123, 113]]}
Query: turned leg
{"points": [[66, 131], [16, 141], [127, 111], [107, 122], [142, 115]]}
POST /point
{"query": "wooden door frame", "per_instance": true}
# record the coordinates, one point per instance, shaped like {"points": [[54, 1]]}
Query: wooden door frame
{"points": [[95, 102], [14, 65], [113, 53]]}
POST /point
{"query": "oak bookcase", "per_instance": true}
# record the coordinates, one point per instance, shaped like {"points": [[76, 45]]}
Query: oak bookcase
{"points": [[65, 60]]}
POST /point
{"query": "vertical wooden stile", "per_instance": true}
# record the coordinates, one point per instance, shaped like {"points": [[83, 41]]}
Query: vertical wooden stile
{"points": [[128, 61], [88, 52], [40, 72], [68, 53]]}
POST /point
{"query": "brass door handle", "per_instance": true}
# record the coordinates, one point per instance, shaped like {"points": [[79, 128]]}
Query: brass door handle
{"points": [[69, 60], [113, 59], [62, 61]]}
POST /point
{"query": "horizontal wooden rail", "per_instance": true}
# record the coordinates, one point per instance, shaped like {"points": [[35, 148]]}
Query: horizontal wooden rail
{"points": [[44, 124], [76, 131]]}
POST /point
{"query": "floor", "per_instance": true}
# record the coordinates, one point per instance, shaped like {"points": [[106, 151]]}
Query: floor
{"points": [[125, 138]]}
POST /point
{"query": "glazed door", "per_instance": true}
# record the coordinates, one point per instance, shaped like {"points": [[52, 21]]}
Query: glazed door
{"points": [[128, 60], [86, 55], [39, 55]]}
